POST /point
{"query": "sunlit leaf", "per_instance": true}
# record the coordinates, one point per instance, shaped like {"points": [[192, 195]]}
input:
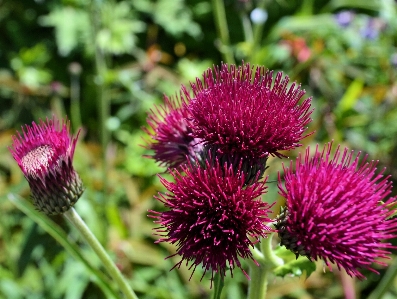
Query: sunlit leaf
{"points": [[292, 265]]}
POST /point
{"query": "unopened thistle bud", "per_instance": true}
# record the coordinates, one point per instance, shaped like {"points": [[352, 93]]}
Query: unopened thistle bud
{"points": [[44, 153]]}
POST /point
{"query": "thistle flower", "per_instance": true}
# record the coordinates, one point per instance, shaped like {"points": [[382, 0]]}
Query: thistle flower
{"points": [[213, 218], [336, 210], [244, 112], [171, 132], [44, 153]]}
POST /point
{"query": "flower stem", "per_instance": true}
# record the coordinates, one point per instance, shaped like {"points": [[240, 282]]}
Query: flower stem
{"points": [[102, 92], [258, 284], [272, 260], [218, 286], [75, 112], [247, 27], [59, 235], [386, 282], [267, 261], [223, 31], [258, 30], [114, 272]]}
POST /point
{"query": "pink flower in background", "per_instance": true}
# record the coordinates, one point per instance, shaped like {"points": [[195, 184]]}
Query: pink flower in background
{"points": [[172, 142], [297, 47], [44, 152], [213, 218], [336, 210]]}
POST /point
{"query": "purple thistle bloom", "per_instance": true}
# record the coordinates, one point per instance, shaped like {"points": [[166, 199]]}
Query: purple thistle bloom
{"points": [[44, 153], [245, 112], [171, 132], [336, 210], [213, 218]]}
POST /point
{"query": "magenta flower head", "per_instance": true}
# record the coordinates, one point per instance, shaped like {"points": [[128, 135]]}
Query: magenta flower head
{"points": [[44, 153], [243, 112], [213, 218], [336, 210], [172, 142]]}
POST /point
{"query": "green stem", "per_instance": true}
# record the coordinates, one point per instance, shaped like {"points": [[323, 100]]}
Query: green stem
{"points": [[75, 113], [386, 282], [258, 30], [59, 235], [114, 272], [101, 69], [218, 286], [258, 284], [257, 255], [247, 27], [306, 8], [267, 261], [272, 260], [223, 31]]}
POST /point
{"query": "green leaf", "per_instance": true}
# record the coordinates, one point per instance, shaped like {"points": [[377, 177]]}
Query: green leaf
{"points": [[293, 266], [350, 97], [118, 34], [358, 4], [72, 26]]}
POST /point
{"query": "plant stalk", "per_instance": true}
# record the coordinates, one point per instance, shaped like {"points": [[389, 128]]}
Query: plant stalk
{"points": [[103, 106], [267, 261], [59, 235], [223, 31], [74, 218], [75, 112], [258, 32], [386, 282], [258, 284]]}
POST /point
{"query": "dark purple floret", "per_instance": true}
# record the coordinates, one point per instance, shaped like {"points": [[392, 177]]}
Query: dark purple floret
{"points": [[244, 112], [336, 210], [45, 153], [253, 169], [213, 218], [172, 142]]}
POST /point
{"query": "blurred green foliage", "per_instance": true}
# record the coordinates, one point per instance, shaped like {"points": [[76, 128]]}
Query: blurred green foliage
{"points": [[105, 63]]}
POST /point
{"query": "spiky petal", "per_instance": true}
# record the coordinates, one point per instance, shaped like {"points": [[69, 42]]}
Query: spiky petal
{"points": [[171, 142], [336, 210], [44, 152], [244, 112], [213, 218]]}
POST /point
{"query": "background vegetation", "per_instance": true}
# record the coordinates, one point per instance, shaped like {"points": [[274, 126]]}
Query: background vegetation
{"points": [[106, 63]]}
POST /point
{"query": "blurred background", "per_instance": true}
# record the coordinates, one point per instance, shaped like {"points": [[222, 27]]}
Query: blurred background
{"points": [[106, 63]]}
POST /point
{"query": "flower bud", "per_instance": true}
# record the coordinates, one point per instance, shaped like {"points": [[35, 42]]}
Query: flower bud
{"points": [[44, 153]]}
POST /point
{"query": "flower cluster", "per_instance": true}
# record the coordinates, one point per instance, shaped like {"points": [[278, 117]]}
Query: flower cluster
{"points": [[241, 112], [336, 210], [216, 140], [44, 152]]}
